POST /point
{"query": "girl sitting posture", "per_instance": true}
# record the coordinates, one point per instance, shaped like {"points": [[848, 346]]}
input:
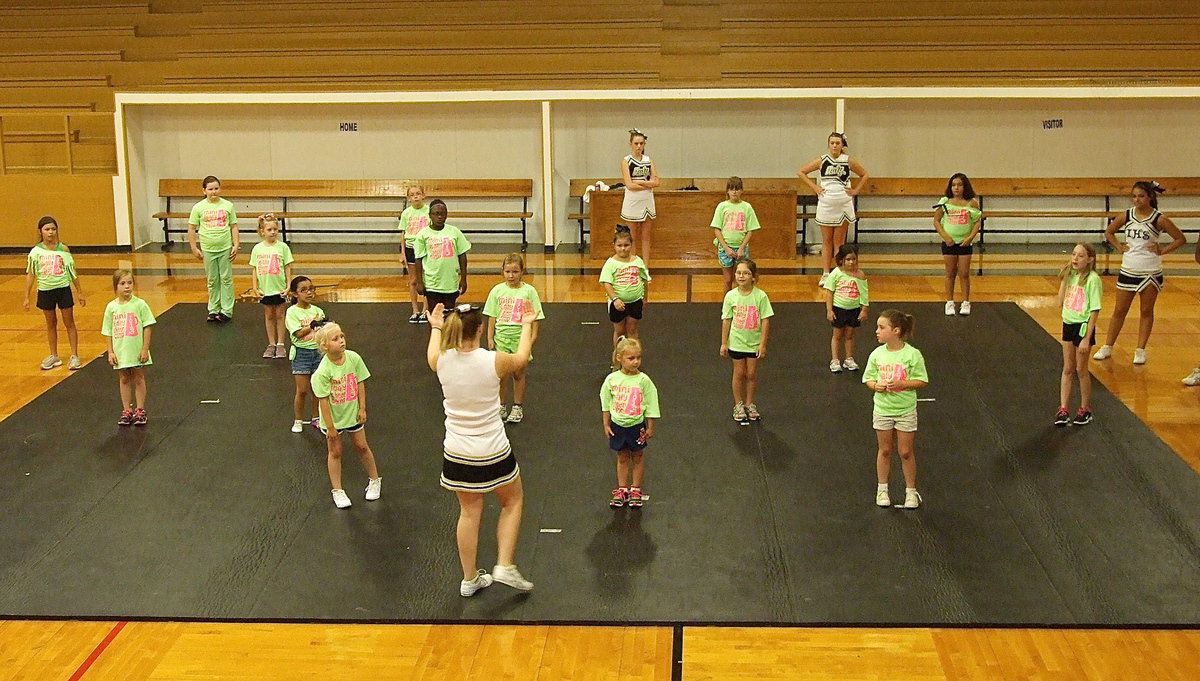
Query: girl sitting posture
{"points": [[52, 268], [505, 308], [745, 326], [846, 303], [270, 271], [126, 324], [895, 372], [629, 403], [339, 383]]}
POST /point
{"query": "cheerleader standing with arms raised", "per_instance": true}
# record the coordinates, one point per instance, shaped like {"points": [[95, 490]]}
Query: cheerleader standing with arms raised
{"points": [[1141, 264], [641, 177], [835, 196]]}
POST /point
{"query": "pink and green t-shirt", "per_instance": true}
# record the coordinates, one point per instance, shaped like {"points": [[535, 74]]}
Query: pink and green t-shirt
{"points": [[297, 318], [438, 250], [270, 265], [628, 279], [213, 221], [849, 292], [1079, 301], [413, 221], [905, 364], [126, 324], [340, 383], [747, 313], [508, 305], [735, 220], [629, 400], [52, 269]]}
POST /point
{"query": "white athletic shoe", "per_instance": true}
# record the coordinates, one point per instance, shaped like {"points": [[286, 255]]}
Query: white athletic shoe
{"points": [[1104, 352], [964, 308], [297, 426], [340, 499], [882, 499], [949, 308], [508, 574], [835, 366], [912, 498], [850, 364], [373, 488], [482, 581], [1193, 378], [1139, 356]]}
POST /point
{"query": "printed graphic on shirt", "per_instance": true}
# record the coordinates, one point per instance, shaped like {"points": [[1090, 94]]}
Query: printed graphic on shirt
{"points": [[735, 221], [626, 276], [124, 325], [440, 247], [416, 223], [627, 400], [745, 317], [889, 373], [343, 390], [512, 309], [269, 263], [214, 218], [1075, 298], [847, 288], [50, 265], [957, 217]]}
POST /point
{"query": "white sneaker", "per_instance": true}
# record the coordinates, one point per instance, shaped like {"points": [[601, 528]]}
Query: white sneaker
{"points": [[297, 426], [949, 308], [74, 363], [912, 499], [508, 574], [515, 414], [1139, 356], [850, 364], [482, 581], [965, 308], [1193, 378], [373, 488], [882, 500], [835, 366], [50, 362], [503, 413], [1104, 352], [340, 499]]}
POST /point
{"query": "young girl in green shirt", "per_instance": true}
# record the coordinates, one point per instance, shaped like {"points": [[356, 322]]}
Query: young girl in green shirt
{"points": [[127, 324], [52, 268]]}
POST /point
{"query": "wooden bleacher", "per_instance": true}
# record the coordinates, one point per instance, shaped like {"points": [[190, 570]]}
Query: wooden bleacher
{"points": [[395, 190]]}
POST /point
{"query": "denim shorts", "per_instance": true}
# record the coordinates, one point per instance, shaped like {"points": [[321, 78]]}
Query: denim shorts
{"points": [[725, 260], [305, 361]]}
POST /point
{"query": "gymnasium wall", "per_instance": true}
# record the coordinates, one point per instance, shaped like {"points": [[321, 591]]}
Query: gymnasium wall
{"points": [[82, 204]]}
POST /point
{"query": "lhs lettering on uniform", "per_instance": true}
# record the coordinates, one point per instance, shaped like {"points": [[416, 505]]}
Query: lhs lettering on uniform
{"points": [[343, 390], [50, 265], [269, 263], [124, 325], [735, 222], [627, 399], [745, 317], [215, 218]]}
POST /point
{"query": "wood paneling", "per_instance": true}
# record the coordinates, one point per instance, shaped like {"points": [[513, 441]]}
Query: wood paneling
{"points": [[82, 204]]}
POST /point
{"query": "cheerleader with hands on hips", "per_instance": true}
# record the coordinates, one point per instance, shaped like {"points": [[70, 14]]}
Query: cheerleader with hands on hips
{"points": [[835, 196]]}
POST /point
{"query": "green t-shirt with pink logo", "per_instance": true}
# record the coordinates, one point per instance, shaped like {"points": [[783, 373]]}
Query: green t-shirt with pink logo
{"points": [[508, 306], [52, 269], [958, 221], [297, 318], [735, 220], [747, 313], [413, 221], [849, 292], [1079, 301], [340, 383], [439, 250], [126, 324], [270, 265], [905, 364], [628, 279], [629, 400], [213, 221]]}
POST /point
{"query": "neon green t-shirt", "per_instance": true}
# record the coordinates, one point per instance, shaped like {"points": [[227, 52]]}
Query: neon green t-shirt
{"points": [[213, 223], [905, 364], [508, 306], [339, 382], [126, 323], [439, 250], [413, 221], [629, 400], [270, 265], [747, 313], [735, 220], [1079, 301], [297, 318], [958, 221], [849, 293], [52, 269], [628, 279]]}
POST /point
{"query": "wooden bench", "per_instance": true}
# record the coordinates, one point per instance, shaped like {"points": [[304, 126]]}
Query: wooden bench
{"points": [[393, 190]]}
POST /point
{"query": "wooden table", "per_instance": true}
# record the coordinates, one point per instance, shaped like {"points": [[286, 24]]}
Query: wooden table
{"points": [[682, 230]]}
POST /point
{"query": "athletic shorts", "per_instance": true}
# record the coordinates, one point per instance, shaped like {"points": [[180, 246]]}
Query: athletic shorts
{"points": [[906, 423], [957, 249], [60, 298], [410, 256], [1137, 281], [1073, 334], [738, 354], [432, 298], [832, 211], [843, 318], [633, 309], [628, 438], [638, 205], [509, 345], [274, 300], [352, 429]]}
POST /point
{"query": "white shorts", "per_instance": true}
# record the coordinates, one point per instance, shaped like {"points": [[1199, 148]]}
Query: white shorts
{"points": [[906, 423], [638, 205], [832, 211]]}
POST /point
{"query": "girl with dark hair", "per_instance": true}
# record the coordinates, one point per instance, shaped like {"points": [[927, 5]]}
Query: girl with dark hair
{"points": [[957, 219], [835, 196], [52, 269], [640, 176], [214, 220], [441, 259], [624, 277]]}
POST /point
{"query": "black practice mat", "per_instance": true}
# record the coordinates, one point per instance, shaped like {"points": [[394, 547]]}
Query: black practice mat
{"points": [[216, 510]]}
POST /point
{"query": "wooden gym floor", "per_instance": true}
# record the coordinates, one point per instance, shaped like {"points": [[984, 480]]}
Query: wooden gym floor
{"points": [[173, 650]]}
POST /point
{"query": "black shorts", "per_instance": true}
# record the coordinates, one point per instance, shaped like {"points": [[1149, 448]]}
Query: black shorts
{"points": [[56, 297], [738, 354], [352, 429], [1070, 333], [957, 249], [410, 256], [272, 301], [632, 438], [432, 298], [633, 309], [843, 318]]}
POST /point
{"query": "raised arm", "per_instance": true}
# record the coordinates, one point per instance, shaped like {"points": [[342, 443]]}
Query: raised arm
{"points": [[437, 317]]}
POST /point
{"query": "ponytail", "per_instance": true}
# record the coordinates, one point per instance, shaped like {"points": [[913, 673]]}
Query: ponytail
{"points": [[460, 325], [623, 346], [901, 320]]}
